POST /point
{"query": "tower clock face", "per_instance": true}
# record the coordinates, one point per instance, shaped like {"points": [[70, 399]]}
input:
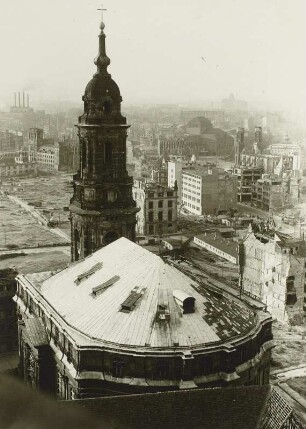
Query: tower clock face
{"points": [[111, 195]]}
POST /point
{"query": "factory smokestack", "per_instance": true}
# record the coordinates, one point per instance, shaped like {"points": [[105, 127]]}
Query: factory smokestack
{"points": [[23, 99], [15, 99], [28, 100], [18, 98]]}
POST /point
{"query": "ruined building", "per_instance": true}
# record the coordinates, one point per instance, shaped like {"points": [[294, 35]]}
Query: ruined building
{"points": [[158, 208], [273, 269], [102, 207]]}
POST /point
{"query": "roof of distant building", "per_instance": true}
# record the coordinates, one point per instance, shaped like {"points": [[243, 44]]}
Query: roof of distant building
{"points": [[201, 122], [225, 245], [203, 170]]}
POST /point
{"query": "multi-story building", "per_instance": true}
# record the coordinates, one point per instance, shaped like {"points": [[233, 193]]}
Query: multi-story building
{"points": [[47, 158], [35, 142], [123, 321], [10, 141], [17, 169], [246, 178], [175, 177], [198, 137], [273, 269], [271, 193], [69, 156], [159, 173], [208, 190], [239, 145], [158, 208], [13, 157]]}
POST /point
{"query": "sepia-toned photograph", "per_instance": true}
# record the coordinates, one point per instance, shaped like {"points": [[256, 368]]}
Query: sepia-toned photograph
{"points": [[152, 214]]}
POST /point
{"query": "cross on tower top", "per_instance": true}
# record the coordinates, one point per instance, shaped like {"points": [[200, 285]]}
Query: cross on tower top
{"points": [[102, 10]]}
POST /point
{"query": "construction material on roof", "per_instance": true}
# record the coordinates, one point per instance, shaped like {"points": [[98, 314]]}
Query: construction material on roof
{"points": [[163, 313], [185, 302], [132, 299], [88, 273], [101, 288]]}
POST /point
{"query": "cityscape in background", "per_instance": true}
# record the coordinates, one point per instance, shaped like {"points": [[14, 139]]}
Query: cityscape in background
{"points": [[154, 248]]}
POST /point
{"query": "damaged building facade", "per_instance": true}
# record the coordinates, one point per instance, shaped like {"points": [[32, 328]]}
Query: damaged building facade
{"points": [[158, 208], [273, 269]]}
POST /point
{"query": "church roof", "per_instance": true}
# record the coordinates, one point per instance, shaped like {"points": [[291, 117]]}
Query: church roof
{"points": [[126, 295]]}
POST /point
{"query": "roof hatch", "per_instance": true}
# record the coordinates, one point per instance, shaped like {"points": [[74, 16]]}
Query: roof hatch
{"points": [[130, 302]]}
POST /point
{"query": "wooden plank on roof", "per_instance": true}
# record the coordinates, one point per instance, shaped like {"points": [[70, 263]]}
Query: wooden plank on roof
{"points": [[88, 273], [97, 290]]}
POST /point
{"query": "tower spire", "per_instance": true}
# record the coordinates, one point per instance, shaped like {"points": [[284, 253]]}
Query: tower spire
{"points": [[102, 61]]}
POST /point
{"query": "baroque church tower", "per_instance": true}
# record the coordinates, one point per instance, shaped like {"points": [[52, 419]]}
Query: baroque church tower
{"points": [[102, 208]]}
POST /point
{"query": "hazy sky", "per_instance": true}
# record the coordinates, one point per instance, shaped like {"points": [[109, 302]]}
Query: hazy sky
{"points": [[161, 50]]}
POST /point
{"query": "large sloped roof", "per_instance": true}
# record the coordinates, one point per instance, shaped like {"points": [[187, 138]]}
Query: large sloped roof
{"points": [[89, 295]]}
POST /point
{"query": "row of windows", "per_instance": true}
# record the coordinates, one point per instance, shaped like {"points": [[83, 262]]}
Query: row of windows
{"points": [[192, 206], [188, 197], [160, 216], [59, 339], [191, 190], [62, 343], [152, 231], [160, 194], [191, 179], [169, 368], [160, 204]]}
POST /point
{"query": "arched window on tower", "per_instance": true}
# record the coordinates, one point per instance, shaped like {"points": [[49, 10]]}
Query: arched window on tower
{"points": [[107, 107], [84, 157], [108, 152]]}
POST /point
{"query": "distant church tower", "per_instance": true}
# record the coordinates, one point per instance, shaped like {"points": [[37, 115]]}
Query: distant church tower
{"points": [[239, 145], [102, 208]]}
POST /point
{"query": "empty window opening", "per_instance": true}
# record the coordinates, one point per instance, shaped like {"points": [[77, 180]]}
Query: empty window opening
{"points": [[108, 152], [118, 369]]}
